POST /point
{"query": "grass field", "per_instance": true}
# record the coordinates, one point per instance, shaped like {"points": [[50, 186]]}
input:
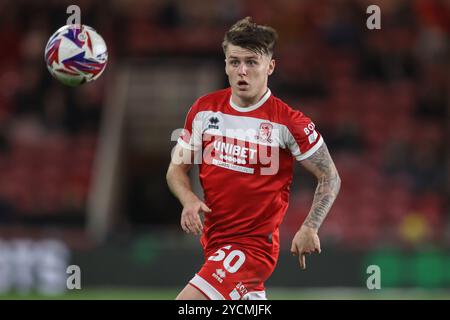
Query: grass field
{"points": [[272, 293]]}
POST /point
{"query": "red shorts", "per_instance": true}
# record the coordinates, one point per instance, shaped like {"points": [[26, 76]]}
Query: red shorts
{"points": [[233, 273]]}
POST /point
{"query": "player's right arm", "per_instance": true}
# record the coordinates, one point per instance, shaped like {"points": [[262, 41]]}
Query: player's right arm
{"points": [[178, 182]]}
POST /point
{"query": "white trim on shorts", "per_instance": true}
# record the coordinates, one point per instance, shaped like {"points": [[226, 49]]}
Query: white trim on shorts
{"points": [[206, 288], [255, 295]]}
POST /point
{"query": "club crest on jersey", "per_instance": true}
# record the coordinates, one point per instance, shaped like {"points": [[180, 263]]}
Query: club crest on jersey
{"points": [[213, 123], [265, 131]]}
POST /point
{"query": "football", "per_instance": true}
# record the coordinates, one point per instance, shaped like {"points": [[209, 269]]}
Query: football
{"points": [[76, 54]]}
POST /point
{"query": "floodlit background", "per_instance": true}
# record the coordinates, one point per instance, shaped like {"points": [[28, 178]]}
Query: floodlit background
{"points": [[82, 170]]}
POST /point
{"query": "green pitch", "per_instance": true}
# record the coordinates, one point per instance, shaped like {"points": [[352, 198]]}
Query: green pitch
{"points": [[272, 293]]}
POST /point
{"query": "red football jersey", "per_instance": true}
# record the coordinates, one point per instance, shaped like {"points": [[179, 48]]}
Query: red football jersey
{"points": [[246, 166]]}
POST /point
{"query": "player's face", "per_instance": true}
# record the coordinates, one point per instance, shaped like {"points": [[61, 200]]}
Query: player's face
{"points": [[247, 73]]}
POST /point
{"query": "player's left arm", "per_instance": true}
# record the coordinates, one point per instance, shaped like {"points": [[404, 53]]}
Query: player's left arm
{"points": [[322, 166], [328, 184]]}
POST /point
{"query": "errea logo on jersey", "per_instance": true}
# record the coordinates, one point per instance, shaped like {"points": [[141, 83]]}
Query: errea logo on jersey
{"points": [[213, 123], [219, 275]]}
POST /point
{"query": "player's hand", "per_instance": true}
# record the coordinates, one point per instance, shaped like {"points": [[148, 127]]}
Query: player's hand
{"points": [[306, 241], [190, 217]]}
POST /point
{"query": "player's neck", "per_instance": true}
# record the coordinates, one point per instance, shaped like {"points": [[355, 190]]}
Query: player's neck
{"points": [[246, 103]]}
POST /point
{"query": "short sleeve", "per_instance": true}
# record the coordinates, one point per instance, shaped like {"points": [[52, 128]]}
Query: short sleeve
{"points": [[302, 138], [191, 135]]}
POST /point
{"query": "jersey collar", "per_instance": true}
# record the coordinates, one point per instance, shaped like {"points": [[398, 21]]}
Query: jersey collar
{"points": [[254, 106]]}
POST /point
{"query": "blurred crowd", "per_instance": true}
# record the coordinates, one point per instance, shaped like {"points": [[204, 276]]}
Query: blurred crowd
{"points": [[379, 97]]}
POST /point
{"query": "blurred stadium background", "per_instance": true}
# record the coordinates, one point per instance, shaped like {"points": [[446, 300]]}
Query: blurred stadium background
{"points": [[82, 171]]}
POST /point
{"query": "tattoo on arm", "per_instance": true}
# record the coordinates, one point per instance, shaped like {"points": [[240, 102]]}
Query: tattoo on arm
{"points": [[321, 164]]}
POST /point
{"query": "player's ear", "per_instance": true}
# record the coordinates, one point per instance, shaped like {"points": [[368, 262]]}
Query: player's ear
{"points": [[271, 67]]}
